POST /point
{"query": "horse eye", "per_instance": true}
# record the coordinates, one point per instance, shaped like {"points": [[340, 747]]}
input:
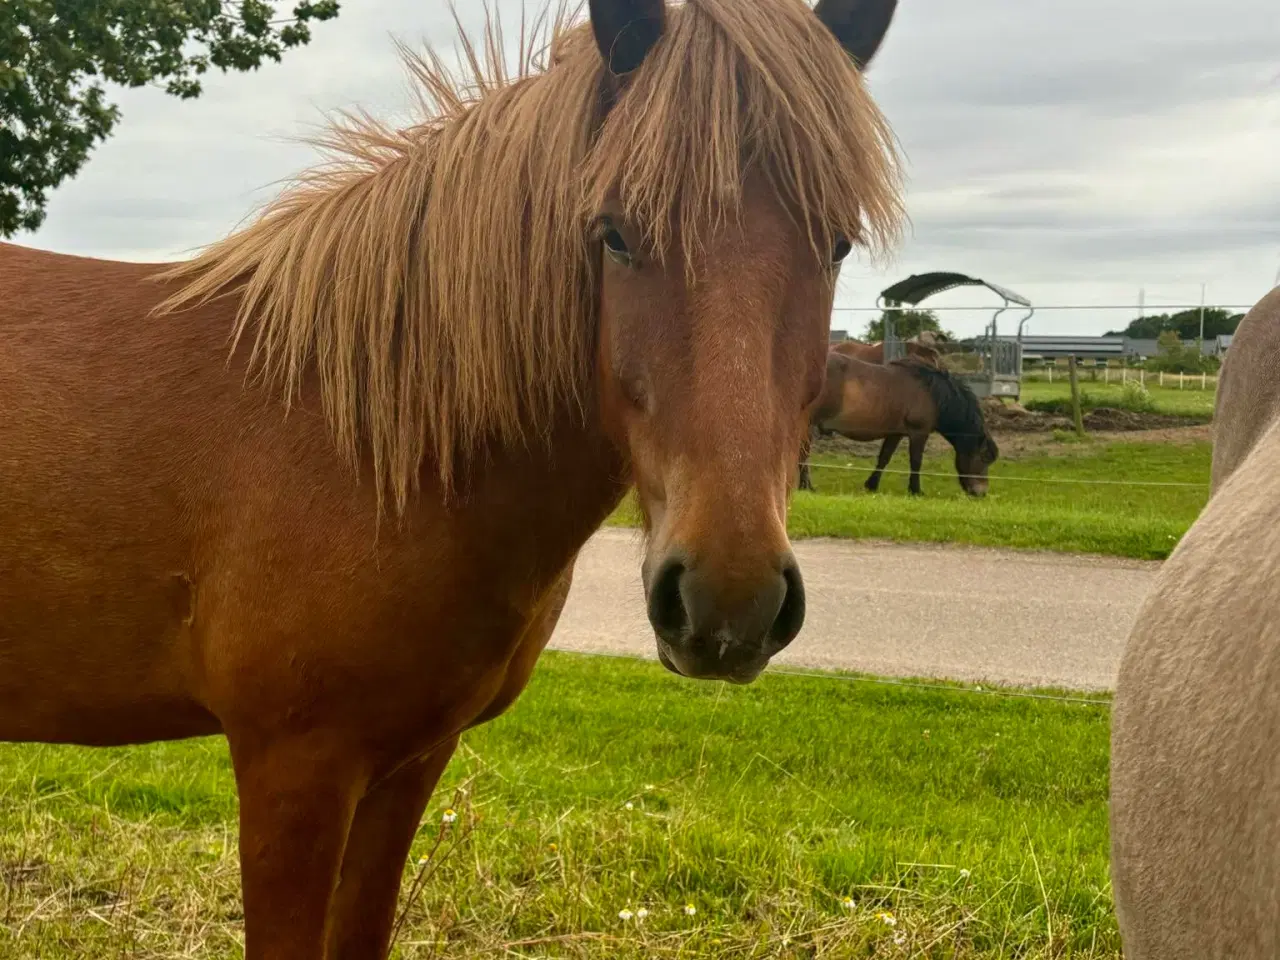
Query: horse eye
{"points": [[841, 248], [614, 242]]}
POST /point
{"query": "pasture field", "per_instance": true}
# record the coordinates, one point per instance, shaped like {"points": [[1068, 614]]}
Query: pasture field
{"points": [[1167, 400], [799, 817], [1035, 499]]}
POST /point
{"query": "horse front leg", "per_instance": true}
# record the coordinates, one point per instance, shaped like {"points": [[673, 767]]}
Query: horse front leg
{"points": [[887, 449], [297, 799], [915, 450], [385, 823]]}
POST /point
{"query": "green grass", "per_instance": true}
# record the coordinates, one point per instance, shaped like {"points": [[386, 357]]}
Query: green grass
{"points": [[1030, 504], [1170, 401], [978, 822]]}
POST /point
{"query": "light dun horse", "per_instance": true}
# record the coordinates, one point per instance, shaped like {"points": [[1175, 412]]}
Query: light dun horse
{"points": [[1195, 761], [613, 268], [904, 398]]}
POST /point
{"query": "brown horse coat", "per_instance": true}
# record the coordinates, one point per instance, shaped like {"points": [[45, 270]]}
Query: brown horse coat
{"points": [[874, 352], [486, 327], [1195, 764], [908, 398]]}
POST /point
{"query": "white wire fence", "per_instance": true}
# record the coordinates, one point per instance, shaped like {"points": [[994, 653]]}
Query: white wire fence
{"points": [[1124, 375]]}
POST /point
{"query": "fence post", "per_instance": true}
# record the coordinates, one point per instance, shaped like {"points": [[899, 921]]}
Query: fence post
{"points": [[1076, 418], [1142, 376], [1182, 377], [1124, 374], [1162, 378], [1051, 373], [1203, 380]]}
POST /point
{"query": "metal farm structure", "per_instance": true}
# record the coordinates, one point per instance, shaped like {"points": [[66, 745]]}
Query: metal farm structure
{"points": [[998, 359]]}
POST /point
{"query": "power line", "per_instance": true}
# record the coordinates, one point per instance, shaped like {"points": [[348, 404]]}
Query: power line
{"points": [[1041, 309]]}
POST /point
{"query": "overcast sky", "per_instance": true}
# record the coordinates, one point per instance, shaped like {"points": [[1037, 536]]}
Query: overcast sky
{"points": [[1073, 151]]}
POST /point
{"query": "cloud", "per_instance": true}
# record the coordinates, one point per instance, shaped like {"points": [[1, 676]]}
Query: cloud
{"points": [[1074, 152]]}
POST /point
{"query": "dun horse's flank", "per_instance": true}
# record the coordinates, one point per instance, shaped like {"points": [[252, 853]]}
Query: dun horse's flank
{"points": [[614, 268], [1195, 747], [904, 398]]}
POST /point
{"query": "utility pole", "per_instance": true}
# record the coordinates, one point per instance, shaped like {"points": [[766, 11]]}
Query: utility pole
{"points": [[1142, 301]]}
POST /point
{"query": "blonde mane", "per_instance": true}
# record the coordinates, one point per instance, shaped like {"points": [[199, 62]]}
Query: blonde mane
{"points": [[440, 279]]}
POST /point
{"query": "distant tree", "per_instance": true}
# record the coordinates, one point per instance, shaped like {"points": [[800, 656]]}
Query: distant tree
{"points": [[55, 56], [907, 324], [1185, 323], [1176, 357]]}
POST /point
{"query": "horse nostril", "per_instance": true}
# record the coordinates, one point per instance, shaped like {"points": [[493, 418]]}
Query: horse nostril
{"points": [[790, 616], [667, 611]]}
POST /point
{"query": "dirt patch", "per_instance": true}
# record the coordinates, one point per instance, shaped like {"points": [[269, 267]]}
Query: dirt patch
{"points": [[1109, 418], [1014, 418]]}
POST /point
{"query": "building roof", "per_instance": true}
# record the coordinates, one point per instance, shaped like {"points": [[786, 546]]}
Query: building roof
{"points": [[1063, 346]]}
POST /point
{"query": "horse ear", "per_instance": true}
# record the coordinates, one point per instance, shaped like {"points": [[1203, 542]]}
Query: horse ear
{"points": [[626, 31], [859, 25]]}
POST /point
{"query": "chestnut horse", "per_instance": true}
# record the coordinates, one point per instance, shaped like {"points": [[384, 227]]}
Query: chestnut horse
{"points": [[903, 398], [1195, 743], [346, 541], [874, 352]]}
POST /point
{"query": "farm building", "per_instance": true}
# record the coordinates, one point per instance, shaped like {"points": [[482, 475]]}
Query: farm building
{"points": [[1048, 347], [1103, 349]]}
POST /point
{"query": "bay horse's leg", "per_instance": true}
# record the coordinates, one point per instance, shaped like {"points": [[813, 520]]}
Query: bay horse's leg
{"points": [[915, 450], [887, 449], [386, 821], [297, 799]]}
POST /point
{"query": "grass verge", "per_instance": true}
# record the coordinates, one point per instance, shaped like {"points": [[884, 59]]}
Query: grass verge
{"points": [[1035, 501], [799, 818]]}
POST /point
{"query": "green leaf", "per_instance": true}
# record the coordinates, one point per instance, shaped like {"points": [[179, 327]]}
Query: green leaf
{"points": [[56, 55]]}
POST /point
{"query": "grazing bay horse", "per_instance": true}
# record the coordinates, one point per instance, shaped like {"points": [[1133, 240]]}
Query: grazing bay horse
{"points": [[1195, 743], [321, 488], [903, 398]]}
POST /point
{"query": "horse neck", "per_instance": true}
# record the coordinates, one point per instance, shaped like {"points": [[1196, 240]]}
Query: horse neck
{"points": [[961, 434], [560, 487]]}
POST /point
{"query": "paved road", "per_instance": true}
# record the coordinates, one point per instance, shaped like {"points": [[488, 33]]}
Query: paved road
{"points": [[898, 610]]}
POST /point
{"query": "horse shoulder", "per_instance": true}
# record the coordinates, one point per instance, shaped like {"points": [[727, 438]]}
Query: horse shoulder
{"points": [[1195, 786], [1249, 387]]}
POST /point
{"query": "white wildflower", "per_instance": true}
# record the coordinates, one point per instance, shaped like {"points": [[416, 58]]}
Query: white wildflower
{"points": [[625, 915], [449, 815]]}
